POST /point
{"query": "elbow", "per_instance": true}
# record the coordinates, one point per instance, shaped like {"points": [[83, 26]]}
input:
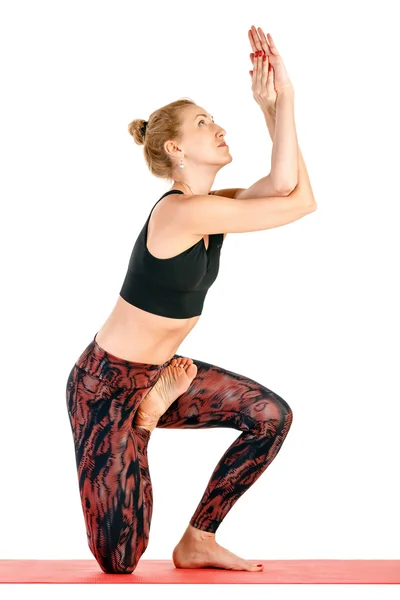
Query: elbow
{"points": [[286, 190], [311, 204], [309, 199]]}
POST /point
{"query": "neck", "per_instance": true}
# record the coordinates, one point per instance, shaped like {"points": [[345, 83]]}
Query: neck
{"points": [[193, 182], [186, 185]]}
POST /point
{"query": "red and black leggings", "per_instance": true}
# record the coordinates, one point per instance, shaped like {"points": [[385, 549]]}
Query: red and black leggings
{"points": [[103, 394]]}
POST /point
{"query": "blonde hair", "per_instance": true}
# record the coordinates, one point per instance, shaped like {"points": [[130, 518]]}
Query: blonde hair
{"points": [[164, 124]]}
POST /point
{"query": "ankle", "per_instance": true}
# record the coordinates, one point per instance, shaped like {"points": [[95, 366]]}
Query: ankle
{"points": [[199, 534]]}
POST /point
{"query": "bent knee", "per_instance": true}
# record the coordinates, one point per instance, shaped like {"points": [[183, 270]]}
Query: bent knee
{"points": [[273, 416], [113, 563], [115, 566], [284, 407], [281, 405]]}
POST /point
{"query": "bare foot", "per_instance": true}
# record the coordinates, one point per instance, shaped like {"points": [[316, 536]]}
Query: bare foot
{"points": [[198, 549], [175, 380]]}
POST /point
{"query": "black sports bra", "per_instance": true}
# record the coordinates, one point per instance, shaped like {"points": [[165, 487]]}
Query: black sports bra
{"points": [[171, 287]]}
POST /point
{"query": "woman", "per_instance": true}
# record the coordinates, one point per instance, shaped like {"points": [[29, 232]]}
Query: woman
{"points": [[130, 380]]}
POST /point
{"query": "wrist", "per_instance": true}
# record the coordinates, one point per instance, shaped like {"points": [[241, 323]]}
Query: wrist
{"points": [[286, 90], [270, 118], [270, 113]]}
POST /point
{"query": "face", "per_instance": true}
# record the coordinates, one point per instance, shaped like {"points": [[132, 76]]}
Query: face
{"points": [[200, 140]]}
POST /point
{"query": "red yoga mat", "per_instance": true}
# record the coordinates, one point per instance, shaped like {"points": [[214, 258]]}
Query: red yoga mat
{"points": [[164, 571]]}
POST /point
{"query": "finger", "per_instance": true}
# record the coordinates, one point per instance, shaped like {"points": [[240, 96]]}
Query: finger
{"points": [[255, 70], [264, 41], [250, 36], [271, 81], [272, 45], [252, 62], [258, 67], [253, 46], [264, 71], [256, 39]]}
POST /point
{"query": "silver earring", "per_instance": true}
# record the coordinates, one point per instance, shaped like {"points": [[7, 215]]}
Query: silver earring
{"points": [[182, 166]]}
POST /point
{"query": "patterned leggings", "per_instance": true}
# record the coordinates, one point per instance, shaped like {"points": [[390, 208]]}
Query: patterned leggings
{"points": [[103, 393]]}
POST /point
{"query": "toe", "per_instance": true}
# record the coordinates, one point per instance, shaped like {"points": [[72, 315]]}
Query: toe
{"points": [[185, 361], [191, 371]]}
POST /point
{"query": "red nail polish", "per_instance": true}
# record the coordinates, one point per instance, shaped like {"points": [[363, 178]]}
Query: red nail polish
{"points": [[259, 565], [265, 57]]}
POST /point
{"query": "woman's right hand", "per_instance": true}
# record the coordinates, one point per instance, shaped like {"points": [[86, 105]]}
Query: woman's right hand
{"points": [[258, 43]]}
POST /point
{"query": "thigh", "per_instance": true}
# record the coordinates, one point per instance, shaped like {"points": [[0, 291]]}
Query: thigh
{"points": [[99, 410], [218, 397], [111, 459]]}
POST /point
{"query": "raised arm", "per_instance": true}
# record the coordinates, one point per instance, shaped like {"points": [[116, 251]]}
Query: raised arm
{"points": [[261, 188]]}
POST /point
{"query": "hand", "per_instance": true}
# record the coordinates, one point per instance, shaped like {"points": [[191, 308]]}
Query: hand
{"points": [[269, 77]]}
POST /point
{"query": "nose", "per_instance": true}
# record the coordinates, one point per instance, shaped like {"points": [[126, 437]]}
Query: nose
{"points": [[221, 134]]}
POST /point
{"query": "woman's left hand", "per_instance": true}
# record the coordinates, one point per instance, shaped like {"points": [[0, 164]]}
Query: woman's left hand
{"points": [[269, 76]]}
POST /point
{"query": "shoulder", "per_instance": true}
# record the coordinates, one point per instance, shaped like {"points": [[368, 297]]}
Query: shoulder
{"points": [[168, 206]]}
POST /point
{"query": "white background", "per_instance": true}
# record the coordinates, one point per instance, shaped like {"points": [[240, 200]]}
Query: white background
{"points": [[310, 310]]}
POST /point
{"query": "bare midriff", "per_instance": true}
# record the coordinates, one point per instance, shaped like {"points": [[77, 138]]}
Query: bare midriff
{"points": [[139, 336], [135, 334]]}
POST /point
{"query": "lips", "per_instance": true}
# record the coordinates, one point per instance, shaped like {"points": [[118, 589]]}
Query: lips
{"points": [[223, 144]]}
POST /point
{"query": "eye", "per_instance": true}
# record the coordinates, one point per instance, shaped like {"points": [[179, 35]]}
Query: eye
{"points": [[203, 121]]}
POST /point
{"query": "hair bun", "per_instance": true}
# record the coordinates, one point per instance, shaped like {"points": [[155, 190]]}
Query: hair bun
{"points": [[137, 129], [143, 128]]}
